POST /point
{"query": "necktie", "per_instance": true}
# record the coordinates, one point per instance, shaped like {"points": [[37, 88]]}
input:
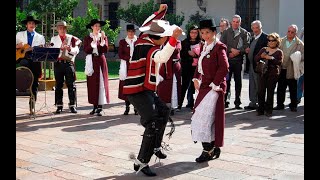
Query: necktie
{"points": [[30, 38]]}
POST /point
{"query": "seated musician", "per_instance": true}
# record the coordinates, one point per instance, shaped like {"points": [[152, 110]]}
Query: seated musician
{"points": [[30, 38]]}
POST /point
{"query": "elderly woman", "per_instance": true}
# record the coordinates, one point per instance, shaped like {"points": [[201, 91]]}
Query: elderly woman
{"points": [[208, 120], [95, 45], [268, 80]]}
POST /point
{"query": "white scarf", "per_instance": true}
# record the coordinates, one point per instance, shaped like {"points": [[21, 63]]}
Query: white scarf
{"points": [[94, 37], [206, 50], [131, 44], [94, 42]]}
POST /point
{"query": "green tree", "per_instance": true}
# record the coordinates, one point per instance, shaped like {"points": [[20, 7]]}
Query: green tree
{"points": [[63, 8], [78, 24], [20, 16], [138, 13], [195, 19]]}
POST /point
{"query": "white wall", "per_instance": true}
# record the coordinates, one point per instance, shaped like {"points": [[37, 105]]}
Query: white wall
{"points": [[215, 9], [290, 12], [80, 9], [269, 15]]}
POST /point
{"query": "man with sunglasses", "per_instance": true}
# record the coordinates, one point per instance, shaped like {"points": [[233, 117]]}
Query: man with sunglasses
{"points": [[289, 45]]}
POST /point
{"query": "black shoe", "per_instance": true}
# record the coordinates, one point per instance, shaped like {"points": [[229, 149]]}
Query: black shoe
{"points": [[59, 110], [259, 113], [94, 110], [172, 112], [146, 170], [160, 155], [268, 114], [135, 112], [278, 107], [293, 109], [226, 105], [238, 107], [73, 109], [205, 156], [216, 152], [249, 108], [126, 112], [298, 101], [98, 111]]}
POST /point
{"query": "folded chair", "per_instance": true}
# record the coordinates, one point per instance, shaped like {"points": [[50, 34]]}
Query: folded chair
{"points": [[24, 81]]}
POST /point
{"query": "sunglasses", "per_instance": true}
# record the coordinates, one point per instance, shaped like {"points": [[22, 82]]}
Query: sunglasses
{"points": [[271, 40]]}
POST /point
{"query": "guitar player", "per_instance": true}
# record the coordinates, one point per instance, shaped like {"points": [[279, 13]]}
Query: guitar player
{"points": [[32, 38]]}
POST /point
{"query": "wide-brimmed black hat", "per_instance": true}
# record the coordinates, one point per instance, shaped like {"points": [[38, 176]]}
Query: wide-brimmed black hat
{"points": [[207, 23], [130, 27], [95, 21], [31, 18]]}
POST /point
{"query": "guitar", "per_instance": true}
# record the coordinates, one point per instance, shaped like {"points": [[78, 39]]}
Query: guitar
{"points": [[21, 52]]}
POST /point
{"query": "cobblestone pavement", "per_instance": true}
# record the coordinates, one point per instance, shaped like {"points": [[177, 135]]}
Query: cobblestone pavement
{"points": [[82, 146]]}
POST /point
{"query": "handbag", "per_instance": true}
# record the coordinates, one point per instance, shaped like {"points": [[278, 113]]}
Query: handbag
{"points": [[261, 67]]}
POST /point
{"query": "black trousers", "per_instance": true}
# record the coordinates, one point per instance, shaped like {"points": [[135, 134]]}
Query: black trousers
{"points": [[187, 72], [35, 68], [283, 82], [235, 67], [267, 82], [154, 117], [64, 71]]}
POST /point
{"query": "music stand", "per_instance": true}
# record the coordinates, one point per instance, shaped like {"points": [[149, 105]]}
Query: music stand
{"points": [[41, 54]]}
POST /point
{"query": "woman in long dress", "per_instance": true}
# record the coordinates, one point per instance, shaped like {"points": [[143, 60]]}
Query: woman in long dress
{"points": [[125, 52], [95, 45], [208, 120]]}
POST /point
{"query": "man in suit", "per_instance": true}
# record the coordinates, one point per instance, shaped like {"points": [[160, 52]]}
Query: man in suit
{"points": [[64, 67], [258, 41], [32, 38], [237, 40]]}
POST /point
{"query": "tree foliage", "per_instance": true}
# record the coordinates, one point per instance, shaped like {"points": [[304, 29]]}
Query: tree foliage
{"points": [[79, 29], [63, 8], [138, 13], [20, 16], [195, 19]]}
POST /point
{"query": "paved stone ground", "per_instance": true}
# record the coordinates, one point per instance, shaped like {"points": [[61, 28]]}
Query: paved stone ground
{"points": [[82, 146]]}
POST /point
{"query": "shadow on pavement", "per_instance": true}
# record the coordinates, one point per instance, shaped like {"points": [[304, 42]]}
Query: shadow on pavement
{"points": [[284, 122], [163, 171]]}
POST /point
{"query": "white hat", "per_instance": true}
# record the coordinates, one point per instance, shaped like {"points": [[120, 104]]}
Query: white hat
{"points": [[160, 28]]}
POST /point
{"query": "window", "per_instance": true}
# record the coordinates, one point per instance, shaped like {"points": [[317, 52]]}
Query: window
{"points": [[248, 10], [171, 5], [114, 22]]}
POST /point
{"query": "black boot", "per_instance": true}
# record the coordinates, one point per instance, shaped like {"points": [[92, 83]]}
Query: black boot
{"points": [[126, 112], [207, 153], [73, 109], [94, 110], [99, 110], [59, 109], [160, 155], [135, 112], [146, 170], [216, 152]]}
